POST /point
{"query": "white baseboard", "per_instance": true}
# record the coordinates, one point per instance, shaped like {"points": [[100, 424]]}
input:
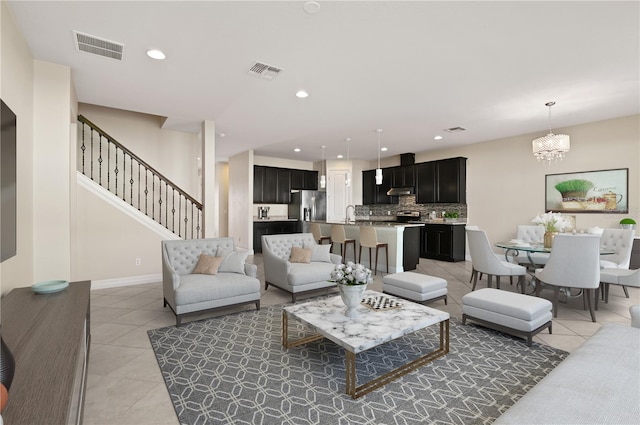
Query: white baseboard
{"points": [[125, 281]]}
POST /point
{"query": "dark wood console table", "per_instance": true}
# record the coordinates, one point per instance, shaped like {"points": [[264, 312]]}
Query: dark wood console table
{"points": [[49, 337]]}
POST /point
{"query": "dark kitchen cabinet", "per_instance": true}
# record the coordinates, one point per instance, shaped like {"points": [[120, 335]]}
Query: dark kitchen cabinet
{"points": [[635, 254], [443, 242], [403, 176], [304, 180], [369, 187], [272, 228], [271, 185], [443, 181], [377, 194]]}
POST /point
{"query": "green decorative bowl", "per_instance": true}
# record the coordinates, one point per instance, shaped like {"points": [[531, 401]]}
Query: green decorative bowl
{"points": [[50, 286]]}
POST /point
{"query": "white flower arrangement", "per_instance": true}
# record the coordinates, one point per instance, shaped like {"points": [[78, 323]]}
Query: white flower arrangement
{"points": [[351, 274], [552, 222]]}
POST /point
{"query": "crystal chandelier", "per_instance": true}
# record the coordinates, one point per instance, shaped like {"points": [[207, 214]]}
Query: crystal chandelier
{"points": [[552, 146], [379, 170]]}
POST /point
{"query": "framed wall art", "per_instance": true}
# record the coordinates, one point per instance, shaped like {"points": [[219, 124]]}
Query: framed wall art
{"points": [[603, 191]]}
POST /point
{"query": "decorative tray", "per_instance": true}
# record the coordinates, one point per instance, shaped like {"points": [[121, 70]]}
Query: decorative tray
{"points": [[50, 286], [380, 302]]}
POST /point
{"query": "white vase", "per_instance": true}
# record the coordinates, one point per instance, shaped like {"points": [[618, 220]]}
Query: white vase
{"points": [[351, 297]]}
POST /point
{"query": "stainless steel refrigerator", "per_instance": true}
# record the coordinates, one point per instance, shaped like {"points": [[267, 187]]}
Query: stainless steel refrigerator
{"points": [[308, 206]]}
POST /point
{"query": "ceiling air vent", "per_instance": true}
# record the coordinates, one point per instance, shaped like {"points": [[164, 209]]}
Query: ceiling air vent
{"points": [[98, 46], [455, 129], [264, 71]]}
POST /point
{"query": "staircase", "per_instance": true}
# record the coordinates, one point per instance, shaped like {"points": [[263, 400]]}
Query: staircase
{"points": [[114, 167]]}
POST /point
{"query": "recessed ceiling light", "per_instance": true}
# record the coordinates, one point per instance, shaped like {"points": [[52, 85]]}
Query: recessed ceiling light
{"points": [[302, 94], [296, 150], [437, 138], [340, 156], [156, 54], [384, 149], [311, 7]]}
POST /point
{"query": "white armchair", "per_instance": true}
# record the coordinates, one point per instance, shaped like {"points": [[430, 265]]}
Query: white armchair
{"points": [[622, 277], [574, 263], [531, 234], [484, 260], [297, 277]]}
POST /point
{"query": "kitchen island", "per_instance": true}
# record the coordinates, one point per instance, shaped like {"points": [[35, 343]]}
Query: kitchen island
{"points": [[403, 242]]}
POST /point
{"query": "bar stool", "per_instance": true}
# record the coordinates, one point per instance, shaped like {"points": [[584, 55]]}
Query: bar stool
{"points": [[338, 235], [317, 234], [369, 239]]}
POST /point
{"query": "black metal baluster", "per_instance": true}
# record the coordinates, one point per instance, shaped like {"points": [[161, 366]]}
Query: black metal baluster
{"points": [[83, 147], [116, 171], [108, 166], [146, 191], [124, 175], [91, 153], [173, 210], [131, 182], [166, 206], [192, 220], [100, 161], [153, 204]]}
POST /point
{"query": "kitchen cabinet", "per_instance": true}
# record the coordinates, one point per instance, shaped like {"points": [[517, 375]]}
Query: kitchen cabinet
{"points": [[443, 242], [403, 176], [443, 181], [273, 228], [271, 185], [304, 180], [377, 194]]}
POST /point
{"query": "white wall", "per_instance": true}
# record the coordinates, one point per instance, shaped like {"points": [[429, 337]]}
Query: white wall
{"points": [[506, 184], [173, 153], [16, 90]]}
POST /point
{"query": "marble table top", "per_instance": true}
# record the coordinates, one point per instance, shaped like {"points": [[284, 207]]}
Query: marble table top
{"points": [[371, 328]]}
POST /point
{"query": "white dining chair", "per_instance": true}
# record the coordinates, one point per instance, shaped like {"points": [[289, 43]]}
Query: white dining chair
{"points": [[621, 277], [531, 234], [484, 260], [620, 241], [574, 263], [474, 272]]}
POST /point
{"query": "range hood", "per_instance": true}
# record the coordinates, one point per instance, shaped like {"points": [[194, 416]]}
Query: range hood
{"points": [[395, 191]]}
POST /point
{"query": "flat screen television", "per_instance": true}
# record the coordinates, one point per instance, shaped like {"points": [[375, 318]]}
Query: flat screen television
{"points": [[8, 206]]}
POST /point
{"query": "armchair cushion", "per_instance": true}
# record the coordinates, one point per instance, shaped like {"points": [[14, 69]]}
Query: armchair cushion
{"points": [[301, 274], [208, 264], [234, 262], [300, 255], [196, 288], [321, 253]]}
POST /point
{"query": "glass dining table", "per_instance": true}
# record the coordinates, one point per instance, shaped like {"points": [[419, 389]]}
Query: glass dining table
{"points": [[513, 249]]}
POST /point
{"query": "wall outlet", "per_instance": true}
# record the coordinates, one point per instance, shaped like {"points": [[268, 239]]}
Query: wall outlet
{"points": [[138, 261]]}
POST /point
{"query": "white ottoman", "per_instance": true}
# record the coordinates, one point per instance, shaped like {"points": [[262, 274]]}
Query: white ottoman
{"points": [[415, 286], [509, 312]]}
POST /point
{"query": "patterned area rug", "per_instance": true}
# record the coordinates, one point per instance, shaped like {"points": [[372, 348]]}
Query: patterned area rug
{"points": [[234, 370]]}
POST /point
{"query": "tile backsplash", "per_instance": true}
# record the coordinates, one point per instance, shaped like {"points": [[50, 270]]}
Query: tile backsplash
{"points": [[407, 202]]}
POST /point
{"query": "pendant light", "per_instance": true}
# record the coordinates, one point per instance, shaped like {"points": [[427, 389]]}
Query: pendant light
{"points": [[552, 146], [347, 175], [379, 170], [323, 178]]}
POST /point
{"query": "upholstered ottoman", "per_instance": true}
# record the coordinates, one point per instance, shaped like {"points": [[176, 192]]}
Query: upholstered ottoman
{"points": [[415, 286], [509, 312]]}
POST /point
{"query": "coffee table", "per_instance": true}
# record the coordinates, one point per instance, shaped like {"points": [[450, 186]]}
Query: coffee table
{"points": [[370, 329]]}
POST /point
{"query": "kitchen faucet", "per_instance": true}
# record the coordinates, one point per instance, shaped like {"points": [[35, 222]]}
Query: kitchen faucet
{"points": [[346, 213]]}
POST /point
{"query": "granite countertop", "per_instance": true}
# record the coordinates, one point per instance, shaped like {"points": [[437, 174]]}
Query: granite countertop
{"points": [[271, 219]]}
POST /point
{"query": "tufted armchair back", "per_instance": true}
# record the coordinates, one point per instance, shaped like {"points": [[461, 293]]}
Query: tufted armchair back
{"points": [[280, 245], [184, 254], [620, 241], [530, 234]]}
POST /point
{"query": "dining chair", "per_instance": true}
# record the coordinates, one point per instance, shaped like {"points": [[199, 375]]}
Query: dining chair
{"points": [[338, 235], [317, 233], [615, 276], [574, 263], [369, 239], [484, 260], [621, 242], [532, 234]]}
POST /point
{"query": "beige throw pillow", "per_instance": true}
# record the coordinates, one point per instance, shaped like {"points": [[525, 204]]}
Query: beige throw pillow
{"points": [[208, 264], [300, 255]]}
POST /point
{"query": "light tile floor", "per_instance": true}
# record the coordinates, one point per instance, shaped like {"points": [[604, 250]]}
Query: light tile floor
{"points": [[125, 385]]}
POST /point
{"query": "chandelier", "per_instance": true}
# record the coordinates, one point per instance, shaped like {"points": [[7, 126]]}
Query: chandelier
{"points": [[552, 146], [323, 178]]}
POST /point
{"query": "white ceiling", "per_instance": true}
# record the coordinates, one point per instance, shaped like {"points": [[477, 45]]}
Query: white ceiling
{"points": [[411, 68]]}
